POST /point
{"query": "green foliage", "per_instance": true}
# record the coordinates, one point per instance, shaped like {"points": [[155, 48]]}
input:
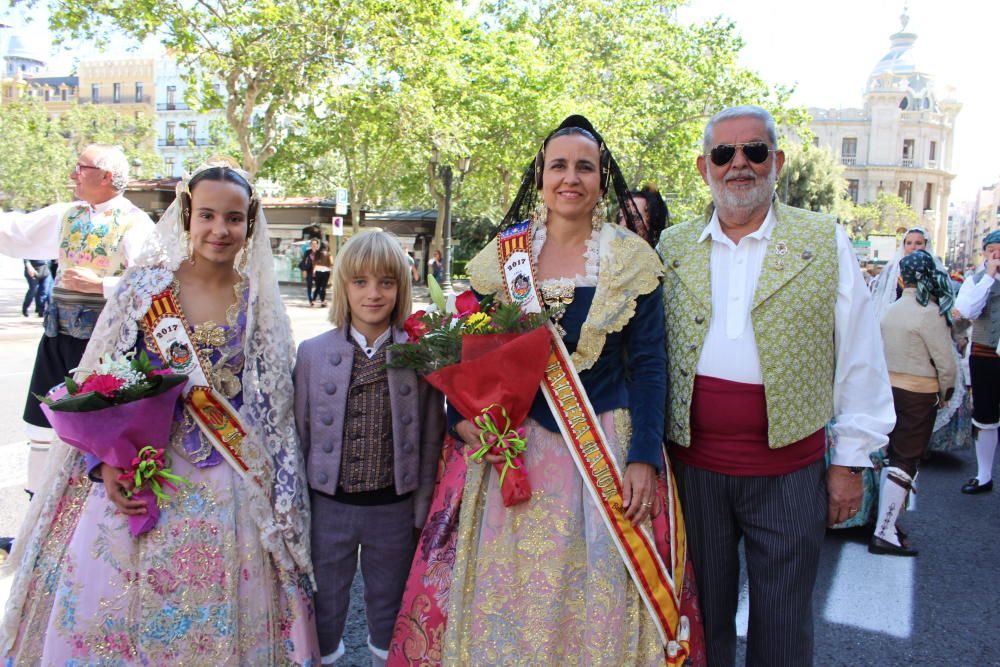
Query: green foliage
{"points": [[888, 214], [812, 178], [37, 153]]}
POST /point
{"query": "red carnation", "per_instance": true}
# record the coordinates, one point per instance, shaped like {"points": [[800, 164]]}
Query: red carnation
{"points": [[466, 303], [105, 385], [415, 327], [159, 371]]}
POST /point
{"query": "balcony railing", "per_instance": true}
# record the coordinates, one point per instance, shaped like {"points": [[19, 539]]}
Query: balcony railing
{"points": [[849, 160], [172, 106], [906, 162], [184, 141], [111, 99]]}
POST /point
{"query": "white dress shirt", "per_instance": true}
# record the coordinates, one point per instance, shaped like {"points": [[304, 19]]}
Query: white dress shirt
{"points": [[35, 235], [862, 397], [972, 296], [370, 350]]}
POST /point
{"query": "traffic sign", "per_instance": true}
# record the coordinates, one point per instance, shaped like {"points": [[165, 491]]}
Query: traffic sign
{"points": [[338, 226], [341, 208]]}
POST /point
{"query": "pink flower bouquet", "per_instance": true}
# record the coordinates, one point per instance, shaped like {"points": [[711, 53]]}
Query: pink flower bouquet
{"points": [[121, 414]]}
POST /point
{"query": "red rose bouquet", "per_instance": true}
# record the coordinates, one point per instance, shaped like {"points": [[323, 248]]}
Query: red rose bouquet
{"points": [[488, 358], [121, 414]]}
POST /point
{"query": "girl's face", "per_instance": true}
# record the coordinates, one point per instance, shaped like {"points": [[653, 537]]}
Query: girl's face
{"points": [[571, 176], [372, 298], [218, 221], [914, 241]]}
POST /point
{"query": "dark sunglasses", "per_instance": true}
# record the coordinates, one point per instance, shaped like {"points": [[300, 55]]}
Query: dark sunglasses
{"points": [[755, 151]]}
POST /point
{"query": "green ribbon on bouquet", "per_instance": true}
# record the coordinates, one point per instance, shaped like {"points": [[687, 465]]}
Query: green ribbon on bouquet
{"points": [[150, 469], [509, 441]]}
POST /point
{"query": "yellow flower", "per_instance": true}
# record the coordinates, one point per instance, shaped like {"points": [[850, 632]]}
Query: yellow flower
{"points": [[477, 323], [74, 239], [92, 241]]}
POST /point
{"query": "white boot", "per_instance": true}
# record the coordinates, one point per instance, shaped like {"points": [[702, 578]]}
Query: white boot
{"points": [[332, 658], [891, 504], [379, 656]]}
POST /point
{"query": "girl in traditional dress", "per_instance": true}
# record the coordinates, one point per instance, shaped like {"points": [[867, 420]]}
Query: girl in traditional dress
{"points": [[548, 581], [224, 578]]}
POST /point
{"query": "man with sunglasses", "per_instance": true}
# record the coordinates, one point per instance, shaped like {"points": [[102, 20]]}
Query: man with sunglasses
{"points": [[94, 238], [771, 336]]}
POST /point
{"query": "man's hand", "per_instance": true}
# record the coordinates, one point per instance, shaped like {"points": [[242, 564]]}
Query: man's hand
{"points": [[845, 490], [82, 280], [992, 266], [117, 490]]}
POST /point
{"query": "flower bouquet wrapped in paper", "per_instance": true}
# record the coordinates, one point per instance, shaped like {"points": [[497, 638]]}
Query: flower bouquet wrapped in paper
{"points": [[121, 413], [488, 358]]}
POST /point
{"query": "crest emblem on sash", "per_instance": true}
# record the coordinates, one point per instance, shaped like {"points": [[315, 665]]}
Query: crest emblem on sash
{"points": [[520, 287], [180, 355]]}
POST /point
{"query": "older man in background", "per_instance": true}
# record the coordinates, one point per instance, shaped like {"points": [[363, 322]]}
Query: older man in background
{"points": [[94, 238], [771, 336]]}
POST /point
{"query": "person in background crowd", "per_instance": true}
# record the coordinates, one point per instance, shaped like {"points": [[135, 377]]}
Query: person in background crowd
{"points": [[919, 354], [94, 239], [979, 301], [36, 272], [437, 266], [653, 213], [307, 266], [770, 335], [322, 265]]}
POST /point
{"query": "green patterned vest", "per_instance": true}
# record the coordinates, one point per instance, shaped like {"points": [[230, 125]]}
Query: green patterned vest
{"points": [[792, 315]]}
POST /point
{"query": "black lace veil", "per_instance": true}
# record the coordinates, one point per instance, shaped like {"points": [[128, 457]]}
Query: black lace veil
{"points": [[616, 198]]}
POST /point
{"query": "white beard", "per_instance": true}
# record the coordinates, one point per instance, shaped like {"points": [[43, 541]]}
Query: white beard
{"points": [[748, 200]]}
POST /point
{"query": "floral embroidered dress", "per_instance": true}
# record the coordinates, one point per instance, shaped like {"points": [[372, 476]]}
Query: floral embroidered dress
{"points": [[542, 582], [198, 589]]}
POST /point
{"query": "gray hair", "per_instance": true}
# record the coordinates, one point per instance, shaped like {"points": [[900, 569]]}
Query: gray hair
{"points": [[112, 160], [742, 111]]}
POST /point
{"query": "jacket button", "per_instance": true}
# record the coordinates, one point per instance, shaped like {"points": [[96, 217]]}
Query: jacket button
{"points": [[404, 389], [407, 420], [692, 347], [335, 359], [322, 478], [408, 477], [408, 447], [676, 263], [327, 420], [807, 254], [330, 388], [684, 372], [328, 447], [699, 319]]}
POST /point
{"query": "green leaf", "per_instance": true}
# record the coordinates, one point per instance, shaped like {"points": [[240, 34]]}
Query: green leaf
{"points": [[437, 294], [71, 386]]}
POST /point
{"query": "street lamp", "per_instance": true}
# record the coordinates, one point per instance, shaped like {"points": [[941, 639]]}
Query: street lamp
{"points": [[445, 174], [136, 168]]}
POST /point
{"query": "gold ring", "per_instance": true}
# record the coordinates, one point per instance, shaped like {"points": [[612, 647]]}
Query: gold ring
{"points": [[647, 504]]}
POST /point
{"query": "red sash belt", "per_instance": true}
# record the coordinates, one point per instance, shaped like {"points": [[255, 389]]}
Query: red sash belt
{"points": [[729, 433]]}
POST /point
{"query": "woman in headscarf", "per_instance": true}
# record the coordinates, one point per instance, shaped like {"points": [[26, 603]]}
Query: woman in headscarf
{"points": [[550, 581], [653, 214], [224, 576], [916, 331]]}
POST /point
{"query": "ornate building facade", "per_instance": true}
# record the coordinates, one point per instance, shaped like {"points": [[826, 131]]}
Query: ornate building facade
{"points": [[900, 141]]}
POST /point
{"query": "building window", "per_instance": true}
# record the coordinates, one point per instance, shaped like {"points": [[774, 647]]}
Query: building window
{"points": [[62, 94], [932, 152], [217, 87], [906, 191], [171, 128], [116, 93], [849, 151], [138, 91], [928, 197], [168, 165], [171, 96], [95, 93], [192, 129], [48, 95], [908, 145], [852, 189]]}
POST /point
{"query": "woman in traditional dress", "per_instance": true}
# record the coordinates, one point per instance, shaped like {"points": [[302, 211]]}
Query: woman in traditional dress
{"points": [[546, 581], [916, 331], [224, 577]]}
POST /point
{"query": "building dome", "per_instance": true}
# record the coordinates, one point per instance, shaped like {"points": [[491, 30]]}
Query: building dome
{"points": [[897, 71], [18, 56]]}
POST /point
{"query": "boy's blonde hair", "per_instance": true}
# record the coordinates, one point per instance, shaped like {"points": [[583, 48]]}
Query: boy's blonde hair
{"points": [[381, 254]]}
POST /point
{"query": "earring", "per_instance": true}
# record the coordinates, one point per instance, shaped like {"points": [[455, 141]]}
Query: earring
{"points": [[541, 212], [244, 257], [190, 248], [599, 215]]}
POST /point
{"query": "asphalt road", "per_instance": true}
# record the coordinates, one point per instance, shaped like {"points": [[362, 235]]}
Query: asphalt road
{"points": [[941, 608]]}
